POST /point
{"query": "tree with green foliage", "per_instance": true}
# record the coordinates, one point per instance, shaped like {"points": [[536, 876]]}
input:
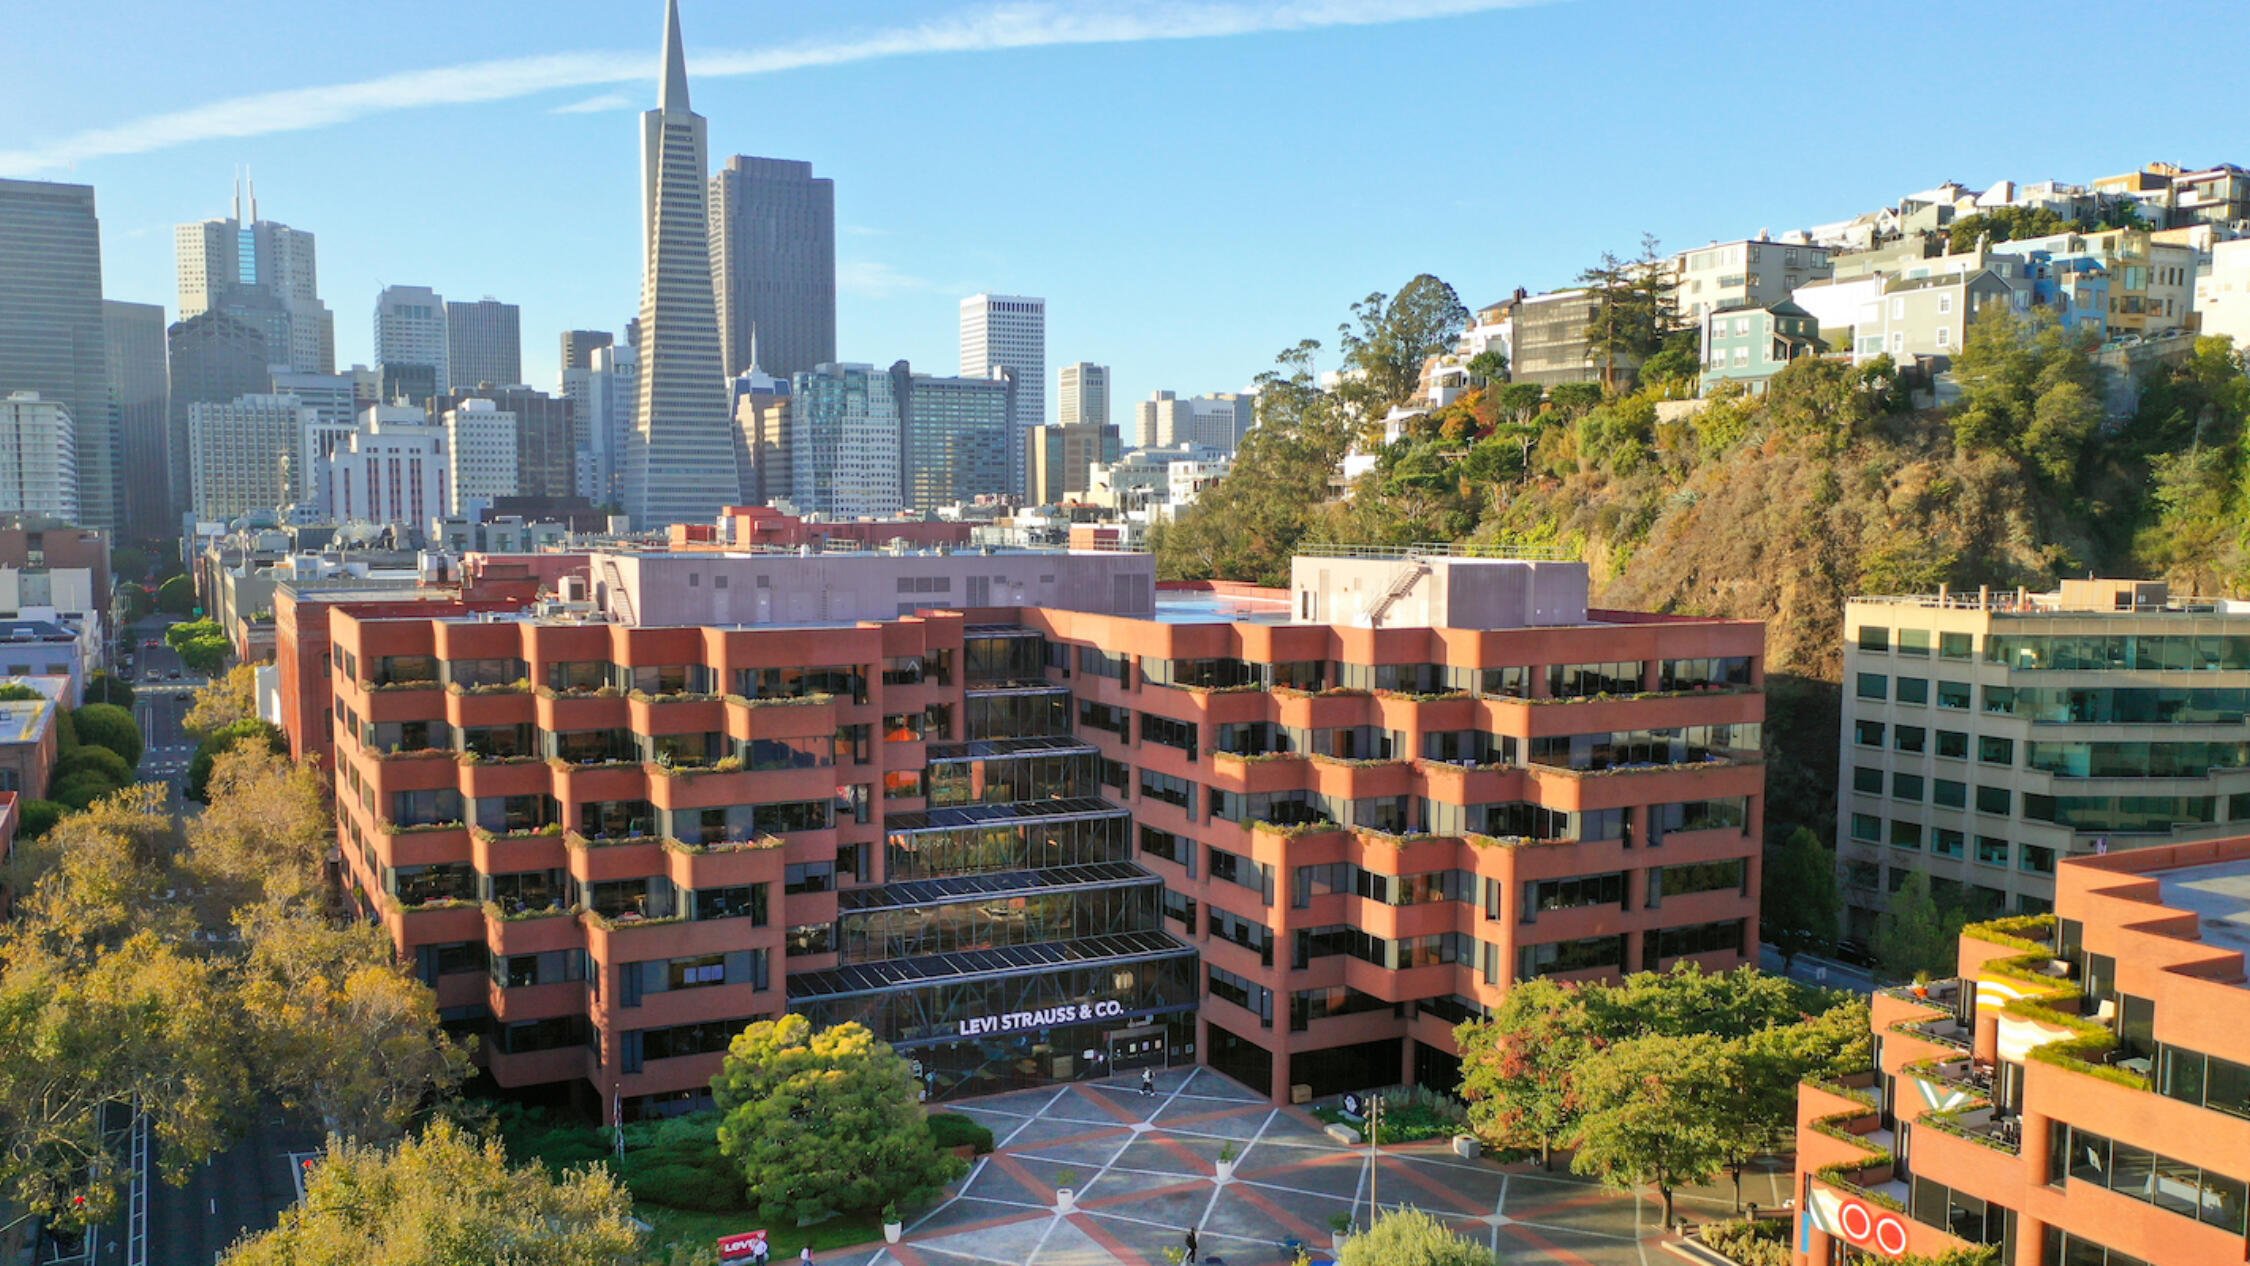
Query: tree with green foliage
{"points": [[186, 631], [1764, 1068], [1677, 365], [97, 762], [223, 740], [206, 656], [112, 726], [1801, 902], [825, 1121], [2016, 224], [176, 596], [1489, 367], [442, 1198], [1407, 1236], [1249, 525], [1911, 934], [2030, 389], [1574, 398], [1636, 309], [1516, 1067], [17, 692], [1388, 339], [107, 687], [1651, 1111], [129, 562]]}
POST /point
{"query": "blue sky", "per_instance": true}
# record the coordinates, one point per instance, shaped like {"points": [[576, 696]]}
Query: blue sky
{"points": [[1188, 207]]}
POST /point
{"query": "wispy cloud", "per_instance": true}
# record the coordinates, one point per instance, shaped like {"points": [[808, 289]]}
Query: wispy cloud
{"points": [[1040, 24], [873, 279], [597, 105]]}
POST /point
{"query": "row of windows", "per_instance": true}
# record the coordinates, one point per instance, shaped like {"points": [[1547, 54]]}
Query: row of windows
{"points": [[1945, 841], [2169, 1184], [1946, 793]]}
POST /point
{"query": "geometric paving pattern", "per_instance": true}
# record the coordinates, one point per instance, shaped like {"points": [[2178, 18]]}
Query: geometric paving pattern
{"points": [[1144, 1169]]}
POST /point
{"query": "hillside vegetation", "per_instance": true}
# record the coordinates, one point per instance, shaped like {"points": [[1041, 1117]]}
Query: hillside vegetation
{"points": [[1774, 508]]}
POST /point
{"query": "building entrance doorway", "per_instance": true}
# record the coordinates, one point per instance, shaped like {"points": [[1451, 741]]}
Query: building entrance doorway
{"points": [[1136, 1048]]}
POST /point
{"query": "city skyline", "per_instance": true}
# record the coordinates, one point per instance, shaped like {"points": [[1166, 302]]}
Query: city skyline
{"points": [[917, 228]]}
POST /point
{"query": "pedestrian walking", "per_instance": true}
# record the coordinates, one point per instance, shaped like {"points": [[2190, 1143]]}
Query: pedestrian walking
{"points": [[805, 1255], [1148, 1083], [1190, 1245]]}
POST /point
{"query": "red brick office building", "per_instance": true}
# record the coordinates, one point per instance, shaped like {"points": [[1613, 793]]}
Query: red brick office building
{"points": [[2078, 1095], [1032, 817]]}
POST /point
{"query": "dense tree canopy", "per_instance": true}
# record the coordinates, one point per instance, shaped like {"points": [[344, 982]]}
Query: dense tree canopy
{"points": [[1410, 1237], [446, 1199], [1800, 903], [825, 1121], [112, 726]]}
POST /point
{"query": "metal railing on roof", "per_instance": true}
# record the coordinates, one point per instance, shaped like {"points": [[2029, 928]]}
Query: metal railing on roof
{"points": [[1445, 549]]}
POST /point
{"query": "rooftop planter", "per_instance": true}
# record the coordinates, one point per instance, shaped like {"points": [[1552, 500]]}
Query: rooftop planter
{"points": [[561, 766], [723, 765], [549, 831], [788, 701], [1356, 762], [1291, 830], [493, 912], [474, 758], [1422, 696], [581, 692], [418, 828], [626, 923], [1331, 692], [2027, 932], [576, 840], [520, 686], [428, 907], [415, 753], [682, 696], [382, 687], [1257, 758], [759, 844]]}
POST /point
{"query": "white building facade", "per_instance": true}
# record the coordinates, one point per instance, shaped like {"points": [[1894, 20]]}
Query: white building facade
{"points": [[480, 443], [38, 457], [410, 330], [394, 469], [1009, 332], [1084, 394]]}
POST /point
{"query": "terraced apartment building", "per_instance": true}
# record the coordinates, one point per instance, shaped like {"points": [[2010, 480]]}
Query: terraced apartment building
{"points": [[1031, 816], [2077, 1095]]}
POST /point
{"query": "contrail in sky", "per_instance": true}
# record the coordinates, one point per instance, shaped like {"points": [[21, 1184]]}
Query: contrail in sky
{"points": [[1005, 26]]}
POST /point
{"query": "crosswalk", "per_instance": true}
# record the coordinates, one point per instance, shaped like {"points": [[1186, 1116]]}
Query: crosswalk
{"points": [[168, 761]]}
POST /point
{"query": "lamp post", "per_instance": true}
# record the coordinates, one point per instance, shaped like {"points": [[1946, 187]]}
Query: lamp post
{"points": [[1374, 1155]]}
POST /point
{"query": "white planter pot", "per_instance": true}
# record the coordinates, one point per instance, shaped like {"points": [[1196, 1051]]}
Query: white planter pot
{"points": [[892, 1230], [1466, 1146], [1065, 1199], [1336, 1241], [1226, 1171]]}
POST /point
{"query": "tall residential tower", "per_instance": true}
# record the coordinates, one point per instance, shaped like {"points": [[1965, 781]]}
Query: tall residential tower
{"points": [[773, 264], [261, 272], [484, 343], [680, 467]]}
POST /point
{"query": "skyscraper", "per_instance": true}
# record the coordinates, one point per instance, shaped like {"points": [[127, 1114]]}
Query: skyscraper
{"points": [[954, 435], [484, 343], [773, 264], [243, 454], [261, 272], [578, 347], [1009, 332], [51, 337], [410, 343], [844, 441], [139, 382], [613, 389], [1084, 395], [680, 466], [215, 358]]}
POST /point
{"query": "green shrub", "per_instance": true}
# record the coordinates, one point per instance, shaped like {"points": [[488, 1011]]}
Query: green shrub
{"points": [[35, 818], [98, 762], [80, 790], [1764, 1242], [950, 1130], [110, 726], [711, 1188]]}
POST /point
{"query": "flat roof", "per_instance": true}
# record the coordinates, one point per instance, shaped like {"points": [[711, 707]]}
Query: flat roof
{"points": [[1201, 607], [23, 720], [2218, 895]]}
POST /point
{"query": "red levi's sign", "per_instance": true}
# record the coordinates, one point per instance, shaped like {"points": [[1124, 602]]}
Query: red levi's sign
{"points": [[743, 1247]]}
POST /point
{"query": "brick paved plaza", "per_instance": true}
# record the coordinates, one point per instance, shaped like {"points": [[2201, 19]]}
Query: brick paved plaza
{"points": [[1145, 1169]]}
